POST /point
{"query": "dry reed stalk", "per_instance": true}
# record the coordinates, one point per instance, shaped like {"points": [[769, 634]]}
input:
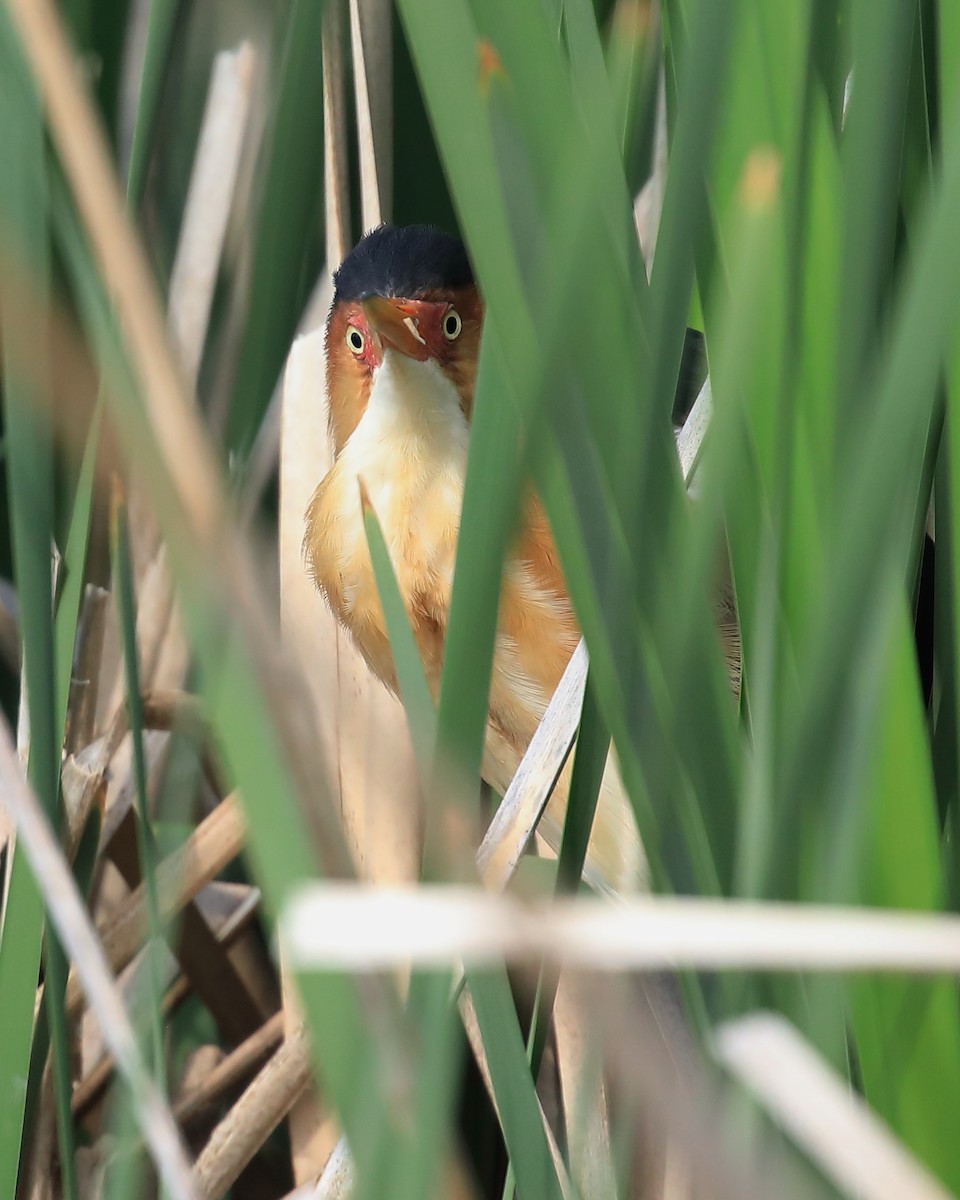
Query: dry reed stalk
{"points": [[372, 42], [69, 917], [253, 1118], [670, 1109], [336, 1182], [525, 799], [198, 948], [162, 649], [690, 438], [216, 841], [174, 709], [821, 1112], [336, 175], [584, 1098], [162, 646]]}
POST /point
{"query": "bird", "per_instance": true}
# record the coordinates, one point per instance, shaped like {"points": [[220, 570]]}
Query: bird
{"points": [[401, 345]]}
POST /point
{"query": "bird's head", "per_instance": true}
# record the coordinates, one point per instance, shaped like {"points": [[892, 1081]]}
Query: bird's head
{"points": [[403, 291]]}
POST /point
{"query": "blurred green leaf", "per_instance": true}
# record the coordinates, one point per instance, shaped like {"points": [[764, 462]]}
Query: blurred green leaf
{"points": [[288, 224], [907, 1033]]}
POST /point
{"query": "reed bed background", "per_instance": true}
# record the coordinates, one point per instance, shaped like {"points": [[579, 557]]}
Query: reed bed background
{"points": [[257, 921]]}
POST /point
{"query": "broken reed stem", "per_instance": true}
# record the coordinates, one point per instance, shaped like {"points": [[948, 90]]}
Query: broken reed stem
{"points": [[235, 1068], [216, 841], [91, 1086]]}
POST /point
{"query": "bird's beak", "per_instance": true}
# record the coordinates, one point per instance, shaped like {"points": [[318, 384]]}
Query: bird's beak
{"points": [[398, 323]]}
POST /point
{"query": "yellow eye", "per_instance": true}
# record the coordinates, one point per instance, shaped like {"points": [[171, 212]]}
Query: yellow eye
{"points": [[355, 340], [452, 325]]}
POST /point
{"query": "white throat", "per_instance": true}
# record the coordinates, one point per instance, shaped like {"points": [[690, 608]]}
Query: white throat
{"points": [[412, 396], [410, 445]]}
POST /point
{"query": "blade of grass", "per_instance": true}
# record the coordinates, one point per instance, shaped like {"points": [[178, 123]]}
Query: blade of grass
{"points": [[907, 1034], [30, 464], [891, 450], [521, 1118], [74, 560], [411, 680], [871, 146]]}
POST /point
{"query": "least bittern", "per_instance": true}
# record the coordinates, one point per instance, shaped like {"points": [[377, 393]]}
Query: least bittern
{"points": [[401, 348]]}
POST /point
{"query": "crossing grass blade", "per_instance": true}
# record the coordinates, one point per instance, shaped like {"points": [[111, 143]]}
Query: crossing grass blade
{"points": [[126, 600], [161, 21], [70, 592], [512, 1082]]}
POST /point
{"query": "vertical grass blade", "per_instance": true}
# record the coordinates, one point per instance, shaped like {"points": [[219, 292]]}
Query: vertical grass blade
{"points": [[23, 212], [126, 600]]}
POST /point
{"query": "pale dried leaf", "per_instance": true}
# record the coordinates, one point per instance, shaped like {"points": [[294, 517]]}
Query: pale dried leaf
{"points": [[209, 197], [821, 1112], [358, 927]]}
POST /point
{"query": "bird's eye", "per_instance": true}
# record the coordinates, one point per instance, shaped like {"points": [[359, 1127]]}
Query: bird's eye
{"points": [[355, 340], [452, 325]]}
